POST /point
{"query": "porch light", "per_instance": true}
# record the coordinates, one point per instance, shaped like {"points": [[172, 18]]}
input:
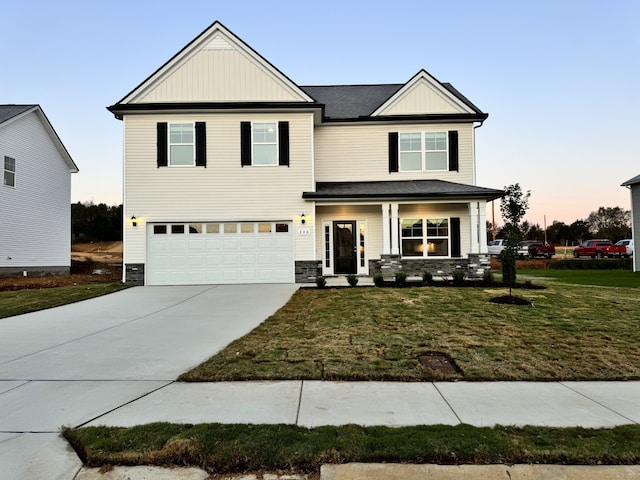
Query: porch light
{"points": [[303, 220], [134, 221]]}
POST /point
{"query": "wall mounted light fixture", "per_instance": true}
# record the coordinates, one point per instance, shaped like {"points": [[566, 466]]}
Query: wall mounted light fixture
{"points": [[134, 221], [303, 220]]}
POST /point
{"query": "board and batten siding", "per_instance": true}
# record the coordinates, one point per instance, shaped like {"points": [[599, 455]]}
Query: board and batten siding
{"points": [[224, 190], [35, 216], [351, 153], [220, 75]]}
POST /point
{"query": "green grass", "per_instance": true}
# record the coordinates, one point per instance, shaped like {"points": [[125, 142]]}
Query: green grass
{"points": [[605, 278], [574, 333], [30, 300], [245, 448]]}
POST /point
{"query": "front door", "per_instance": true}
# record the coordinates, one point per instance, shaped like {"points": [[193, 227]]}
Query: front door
{"points": [[344, 247]]}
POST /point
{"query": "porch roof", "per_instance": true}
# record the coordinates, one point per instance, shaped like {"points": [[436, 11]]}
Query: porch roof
{"points": [[417, 189]]}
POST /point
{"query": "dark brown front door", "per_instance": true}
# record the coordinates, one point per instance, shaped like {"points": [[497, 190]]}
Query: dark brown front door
{"points": [[344, 247]]}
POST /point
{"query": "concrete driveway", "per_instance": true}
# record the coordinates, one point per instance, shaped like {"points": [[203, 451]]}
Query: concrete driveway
{"points": [[71, 364]]}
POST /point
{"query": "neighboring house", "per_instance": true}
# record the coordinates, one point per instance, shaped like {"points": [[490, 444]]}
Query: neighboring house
{"points": [[634, 186], [235, 174], [35, 196]]}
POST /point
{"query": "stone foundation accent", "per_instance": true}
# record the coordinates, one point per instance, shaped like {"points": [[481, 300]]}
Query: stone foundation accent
{"points": [[389, 265], [134, 274], [34, 271], [308, 270]]}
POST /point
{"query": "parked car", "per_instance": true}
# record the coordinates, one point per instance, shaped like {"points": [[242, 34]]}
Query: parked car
{"points": [[628, 244], [599, 248], [536, 248], [495, 247]]}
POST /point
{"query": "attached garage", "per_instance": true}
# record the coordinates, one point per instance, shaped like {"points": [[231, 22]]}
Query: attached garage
{"points": [[219, 253]]}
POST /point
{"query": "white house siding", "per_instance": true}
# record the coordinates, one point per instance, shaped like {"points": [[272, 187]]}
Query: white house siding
{"points": [[182, 194], [35, 216], [635, 211], [361, 153], [220, 74]]}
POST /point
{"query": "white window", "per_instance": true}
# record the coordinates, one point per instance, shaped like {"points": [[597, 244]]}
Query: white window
{"points": [[265, 143], [423, 151], [10, 171], [432, 241], [181, 144]]}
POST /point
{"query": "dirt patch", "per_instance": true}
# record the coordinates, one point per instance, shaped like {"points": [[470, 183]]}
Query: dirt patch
{"points": [[90, 263]]}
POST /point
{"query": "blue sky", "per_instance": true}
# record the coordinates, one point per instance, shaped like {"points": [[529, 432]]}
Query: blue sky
{"points": [[559, 79]]}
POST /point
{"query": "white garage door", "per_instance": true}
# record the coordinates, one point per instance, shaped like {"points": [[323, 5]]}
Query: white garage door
{"points": [[224, 252]]}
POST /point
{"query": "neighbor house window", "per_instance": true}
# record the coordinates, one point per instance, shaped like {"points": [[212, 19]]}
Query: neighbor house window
{"points": [[181, 144], [265, 143], [423, 151], [418, 241], [10, 171]]}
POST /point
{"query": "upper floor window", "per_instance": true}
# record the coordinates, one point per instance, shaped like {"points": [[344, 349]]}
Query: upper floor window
{"points": [[181, 144], [423, 151], [10, 171], [265, 143]]}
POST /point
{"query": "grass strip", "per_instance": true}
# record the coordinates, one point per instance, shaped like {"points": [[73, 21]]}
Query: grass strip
{"points": [[30, 300], [376, 334], [603, 278], [219, 448]]}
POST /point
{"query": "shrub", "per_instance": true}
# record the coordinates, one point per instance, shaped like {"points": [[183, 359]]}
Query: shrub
{"points": [[487, 277], [458, 276], [321, 282], [427, 277], [378, 280], [401, 278], [352, 279]]}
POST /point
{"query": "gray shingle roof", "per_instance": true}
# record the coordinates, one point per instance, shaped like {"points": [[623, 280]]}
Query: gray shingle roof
{"points": [[351, 101], [427, 189], [7, 112]]}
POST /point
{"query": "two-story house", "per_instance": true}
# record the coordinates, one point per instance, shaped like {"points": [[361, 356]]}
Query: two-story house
{"points": [[35, 195], [235, 174]]}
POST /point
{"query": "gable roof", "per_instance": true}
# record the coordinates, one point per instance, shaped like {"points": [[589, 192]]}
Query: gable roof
{"points": [[631, 181], [11, 113], [215, 38], [430, 189]]}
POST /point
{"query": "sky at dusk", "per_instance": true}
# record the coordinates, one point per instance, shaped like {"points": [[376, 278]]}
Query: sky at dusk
{"points": [[559, 79]]}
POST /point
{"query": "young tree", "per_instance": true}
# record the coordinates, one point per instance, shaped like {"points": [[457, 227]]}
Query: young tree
{"points": [[513, 207]]}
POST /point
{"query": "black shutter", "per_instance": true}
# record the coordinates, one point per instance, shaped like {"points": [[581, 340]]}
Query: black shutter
{"points": [[456, 250], [161, 140], [393, 152], [245, 144], [201, 144], [453, 151], [283, 143]]}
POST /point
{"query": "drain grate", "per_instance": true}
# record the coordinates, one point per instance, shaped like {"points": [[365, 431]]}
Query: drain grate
{"points": [[438, 362]]}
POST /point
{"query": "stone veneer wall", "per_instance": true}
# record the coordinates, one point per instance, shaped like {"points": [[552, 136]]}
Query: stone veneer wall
{"points": [[308, 270], [134, 274], [389, 265]]}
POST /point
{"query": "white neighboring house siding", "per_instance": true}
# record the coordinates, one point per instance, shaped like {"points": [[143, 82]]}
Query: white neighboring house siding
{"points": [[635, 211], [351, 153], [36, 214], [224, 190]]}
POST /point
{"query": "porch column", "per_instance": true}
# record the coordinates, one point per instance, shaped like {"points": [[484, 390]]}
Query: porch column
{"points": [[473, 214], [394, 229], [482, 224], [386, 248]]}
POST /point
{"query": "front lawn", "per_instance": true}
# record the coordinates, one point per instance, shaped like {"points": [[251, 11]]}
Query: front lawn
{"points": [[573, 332], [608, 278], [16, 302]]}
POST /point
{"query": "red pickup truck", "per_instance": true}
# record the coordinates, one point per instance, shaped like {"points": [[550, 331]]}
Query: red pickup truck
{"points": [[599, 248]]}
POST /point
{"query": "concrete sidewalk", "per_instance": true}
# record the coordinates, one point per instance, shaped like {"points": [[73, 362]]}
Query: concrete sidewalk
{"points": [[316, 403]]}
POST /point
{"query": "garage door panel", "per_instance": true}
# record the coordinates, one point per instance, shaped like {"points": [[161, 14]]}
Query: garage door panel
{"points": [[255, 253]]}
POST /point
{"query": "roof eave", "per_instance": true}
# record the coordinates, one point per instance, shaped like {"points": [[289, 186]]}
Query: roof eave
{"points": [[488, 196]]}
